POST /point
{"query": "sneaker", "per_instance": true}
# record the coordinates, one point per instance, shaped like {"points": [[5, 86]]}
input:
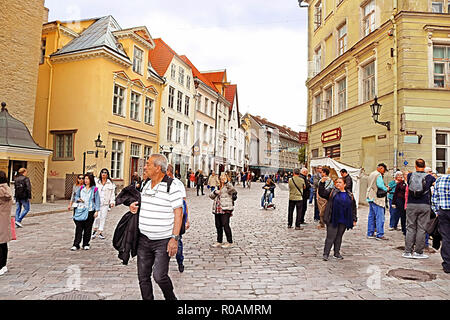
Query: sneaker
{"points": [[86, 247], [325, 257], [19, 224], [371, 237], [3, 270], [217, 245], [100, 236], [338, 257], [419, 256], [407, 255], [94, 235], [74, 248], [181, 267], [382, 238], [391, 229], [227, 245]]}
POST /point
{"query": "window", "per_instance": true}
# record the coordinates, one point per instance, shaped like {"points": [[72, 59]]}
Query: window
{"points": [[442, 151], [368, 17], [186, 135], [317, 107], [169, 129], [368, 81], [188, 82], [318, 60], [116, 159], [342, 95], [43, 46], [342, 39], [135, 105], [118, 101], [205, 133], [171, 96], [328, 103], [147, 152], [211, 135], [148, 112], [173, 71], [197, 130], [178, 132], [181, 76], [186, 105], [135, 150], [212, 109], [179, 101], [137, 60], [441, 62], [63, 145], [333, 151], [315, 153], [437, 7], [199, 102], [317, 15], [206, 105]]}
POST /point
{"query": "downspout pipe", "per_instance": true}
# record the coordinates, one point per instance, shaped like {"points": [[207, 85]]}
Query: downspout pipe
{"points": [[395, 70]]}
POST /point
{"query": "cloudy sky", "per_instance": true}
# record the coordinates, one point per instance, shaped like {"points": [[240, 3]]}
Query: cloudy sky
{"points": [[262, 44]]}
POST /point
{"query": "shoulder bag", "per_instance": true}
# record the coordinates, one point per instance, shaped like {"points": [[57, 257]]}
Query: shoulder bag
{"points": [[301, 192]]}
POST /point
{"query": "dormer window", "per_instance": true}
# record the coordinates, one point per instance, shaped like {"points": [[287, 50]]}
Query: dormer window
{"points": [[138, 60]]}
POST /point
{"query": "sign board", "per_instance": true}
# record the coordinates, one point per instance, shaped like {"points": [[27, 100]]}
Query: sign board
{"points": [[410, 139], [331, 135], [411, 132], [382, 137], [303, 137]]}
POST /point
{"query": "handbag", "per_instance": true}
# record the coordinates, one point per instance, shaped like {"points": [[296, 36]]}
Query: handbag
{"points": [[82, 210], [13, 229], [381, 193]]}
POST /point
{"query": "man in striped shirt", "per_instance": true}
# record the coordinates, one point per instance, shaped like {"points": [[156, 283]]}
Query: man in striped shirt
{"points": [[440, 203], [160, 219]]}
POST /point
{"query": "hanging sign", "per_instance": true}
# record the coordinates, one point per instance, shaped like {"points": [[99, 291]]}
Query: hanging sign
{"points": [[331, 135]]}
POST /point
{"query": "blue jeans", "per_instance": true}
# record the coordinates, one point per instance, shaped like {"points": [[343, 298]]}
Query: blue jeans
{"points": [[393, 216], [179, 256], [375, 220], [311, 195], [26, 207], [270, 198]]}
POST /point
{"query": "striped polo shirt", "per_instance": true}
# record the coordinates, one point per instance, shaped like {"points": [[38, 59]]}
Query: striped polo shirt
{"points": [[156, 218]]}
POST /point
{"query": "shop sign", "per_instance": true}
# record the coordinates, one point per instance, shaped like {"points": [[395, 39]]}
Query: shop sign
{"points": [[331, 135]]}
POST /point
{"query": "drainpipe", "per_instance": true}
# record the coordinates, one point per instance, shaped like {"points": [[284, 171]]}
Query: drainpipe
{"points": [[395, 69]]}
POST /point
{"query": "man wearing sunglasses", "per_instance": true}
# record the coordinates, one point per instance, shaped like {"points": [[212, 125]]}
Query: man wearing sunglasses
{"points": [[160, 219]]}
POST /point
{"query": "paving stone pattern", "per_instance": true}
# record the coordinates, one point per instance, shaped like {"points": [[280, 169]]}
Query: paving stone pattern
{"points": [[268, 260]]}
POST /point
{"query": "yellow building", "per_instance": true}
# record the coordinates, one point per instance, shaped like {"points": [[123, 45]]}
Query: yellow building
{"points": [[95, 81], [396, 50]]}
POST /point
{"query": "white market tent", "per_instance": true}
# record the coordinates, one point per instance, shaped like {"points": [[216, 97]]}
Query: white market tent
{"points": [[354, 173]]}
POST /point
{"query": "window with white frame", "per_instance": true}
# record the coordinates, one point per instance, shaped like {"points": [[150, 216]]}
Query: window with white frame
{"points": [[118, 101], [368, 81], [171, 96], [328, 103], [342, 95], [179, 101], [205, 133], [368, 21], [186, 135], [178, 132], [148, 112], [188, 82], [181, 75], [135, 106], [211, 135], [317, 60], [441, 65], [199, 102], [317, 14], [116, 159], [138, 57], [437, 6], [135, 150], [169, 129], [442, 151], [317, 107], [206, 105], [147, 152], [212, 109], [173, 71], [186, 105], [342, 38]]}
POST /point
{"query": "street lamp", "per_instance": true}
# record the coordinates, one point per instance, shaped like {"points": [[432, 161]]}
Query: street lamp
{"points": [[376, 108], [98, 144]]}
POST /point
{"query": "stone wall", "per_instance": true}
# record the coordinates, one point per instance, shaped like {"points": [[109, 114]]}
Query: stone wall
{"points": [[20, 43]]}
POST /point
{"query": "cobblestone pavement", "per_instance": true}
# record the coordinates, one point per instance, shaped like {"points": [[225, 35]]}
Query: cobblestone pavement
{"points": [[268, 260]]}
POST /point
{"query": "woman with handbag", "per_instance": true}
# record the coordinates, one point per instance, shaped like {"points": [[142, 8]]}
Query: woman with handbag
{"points": [[222, 209], [88, 206], [5, 220], [75, 188]]}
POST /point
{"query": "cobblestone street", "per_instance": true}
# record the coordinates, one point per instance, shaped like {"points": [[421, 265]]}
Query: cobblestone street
{"points": [[268, 260]]}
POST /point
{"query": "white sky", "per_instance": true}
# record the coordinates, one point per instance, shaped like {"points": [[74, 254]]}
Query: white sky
{"points": [[262, 44]]}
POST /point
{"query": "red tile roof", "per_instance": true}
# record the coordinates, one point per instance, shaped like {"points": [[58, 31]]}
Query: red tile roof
{"points": [[198, 74], [161, 56], [218, 76], [230, 94]]}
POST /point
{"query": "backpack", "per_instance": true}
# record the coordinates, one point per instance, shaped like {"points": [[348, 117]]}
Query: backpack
{"points": [[416, 185], [20, 189]]}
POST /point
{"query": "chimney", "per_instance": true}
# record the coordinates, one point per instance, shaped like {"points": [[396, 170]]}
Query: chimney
{"points": [[45, 16]]}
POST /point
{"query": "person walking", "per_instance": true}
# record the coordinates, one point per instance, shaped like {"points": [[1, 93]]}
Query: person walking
{"points": [[192, 179], [440, 202], [107, 190], [316, 179], [6, 202], [296, 190], [339, 215], [223, 207], [188, 178], [244, 179], [88, 206], [418, 211], [200, 182], [306, 193], [376, 197], [322, 202], [160, 219], [22, 193], [185, 223], [213, 181], [249, 179], [75, 188], [348, 180], [393, 212], [399, 199]]}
